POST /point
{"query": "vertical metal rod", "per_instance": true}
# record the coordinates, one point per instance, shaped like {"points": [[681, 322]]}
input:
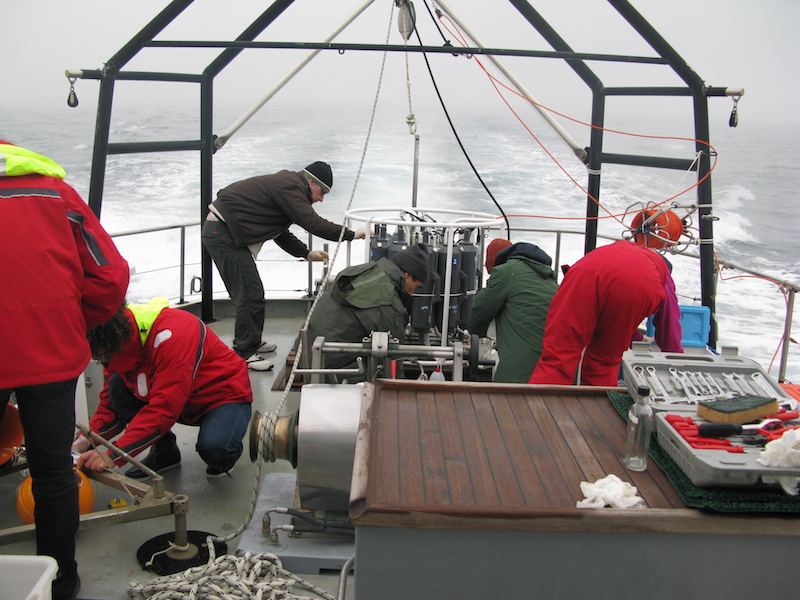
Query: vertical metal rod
{"points": [[448, 272], [593, 167], [416, 172], [206, 193], [182, 277], [787, 336]]}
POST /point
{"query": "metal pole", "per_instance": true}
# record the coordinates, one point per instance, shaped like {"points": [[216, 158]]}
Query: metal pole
{"points": [[220, 141], [787, 336]]}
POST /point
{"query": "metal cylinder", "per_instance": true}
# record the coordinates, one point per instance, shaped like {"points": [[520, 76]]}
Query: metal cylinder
{"points": [[326, 444]]}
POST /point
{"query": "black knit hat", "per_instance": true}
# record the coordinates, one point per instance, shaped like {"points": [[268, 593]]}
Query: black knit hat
{"points": [[321, 174], [414, 260]]}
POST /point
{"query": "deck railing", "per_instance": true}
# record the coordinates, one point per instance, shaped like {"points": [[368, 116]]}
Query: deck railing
{"points": [[190, 290]]}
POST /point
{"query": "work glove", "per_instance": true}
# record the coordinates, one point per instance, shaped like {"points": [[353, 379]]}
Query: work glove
{"points": [[360, 233], [318, 255]]}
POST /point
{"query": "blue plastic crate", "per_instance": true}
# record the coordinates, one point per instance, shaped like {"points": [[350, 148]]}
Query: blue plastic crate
{"points": [[695, 325]]}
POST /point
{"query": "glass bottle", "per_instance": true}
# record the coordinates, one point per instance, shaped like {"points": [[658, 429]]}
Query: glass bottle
{"points": [[640, 427]]}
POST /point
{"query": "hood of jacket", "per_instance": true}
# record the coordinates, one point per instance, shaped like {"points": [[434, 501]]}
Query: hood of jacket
{"points": [[524, 249], [16, 161], [370, 284]]}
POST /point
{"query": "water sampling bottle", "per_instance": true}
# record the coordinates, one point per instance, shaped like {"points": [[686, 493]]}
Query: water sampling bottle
{"points": [[640, 427]]}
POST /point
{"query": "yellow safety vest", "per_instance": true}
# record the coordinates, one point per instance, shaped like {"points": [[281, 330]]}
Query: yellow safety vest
{"points": [[146, 314]]}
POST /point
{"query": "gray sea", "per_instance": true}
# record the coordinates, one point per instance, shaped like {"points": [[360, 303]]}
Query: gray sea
{"points": [[755, 184]]}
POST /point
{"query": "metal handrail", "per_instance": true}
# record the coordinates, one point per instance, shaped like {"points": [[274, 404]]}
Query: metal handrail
{"points": [[789, 287]]}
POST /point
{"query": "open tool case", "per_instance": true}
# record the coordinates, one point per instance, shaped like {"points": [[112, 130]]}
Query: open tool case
{"points": [[677, 382]]}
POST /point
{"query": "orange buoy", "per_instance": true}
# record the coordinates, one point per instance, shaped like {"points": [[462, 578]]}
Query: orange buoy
{"points": [[25, 502], [11, 434], [658, 231]]}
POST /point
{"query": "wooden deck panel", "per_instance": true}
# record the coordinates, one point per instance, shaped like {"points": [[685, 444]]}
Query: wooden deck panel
{"points": [[488, 456]]}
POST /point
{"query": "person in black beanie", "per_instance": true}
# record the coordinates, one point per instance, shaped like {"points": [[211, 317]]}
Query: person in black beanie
{"points": [[244, 216], [366, 298]]}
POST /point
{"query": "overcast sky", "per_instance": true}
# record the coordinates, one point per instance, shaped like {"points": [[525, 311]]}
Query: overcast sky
{"points": [[736, 43]]}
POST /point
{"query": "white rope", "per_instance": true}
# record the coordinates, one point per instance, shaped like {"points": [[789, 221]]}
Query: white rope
{"points": [[251, 576]]}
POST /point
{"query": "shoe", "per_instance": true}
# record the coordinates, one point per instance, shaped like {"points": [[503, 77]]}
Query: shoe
{"points": [[258, 363], [164, 455], [267, 347], [213, 473]]}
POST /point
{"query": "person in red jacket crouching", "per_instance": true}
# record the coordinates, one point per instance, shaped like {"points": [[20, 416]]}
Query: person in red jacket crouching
{"points": [[164, 366]]}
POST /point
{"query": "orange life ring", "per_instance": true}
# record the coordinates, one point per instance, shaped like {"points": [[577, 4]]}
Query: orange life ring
{"points": [[25, 502], [11, 434], [654, 234]]}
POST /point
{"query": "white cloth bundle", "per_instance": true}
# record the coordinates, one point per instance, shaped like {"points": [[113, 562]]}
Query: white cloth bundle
{"points": [[783, 452], [609, 491]]}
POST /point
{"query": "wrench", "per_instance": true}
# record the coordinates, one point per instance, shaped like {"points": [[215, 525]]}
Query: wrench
{"points": [[743, 384], [763, 384], [655, 382], [679, 378], [732, 383]]}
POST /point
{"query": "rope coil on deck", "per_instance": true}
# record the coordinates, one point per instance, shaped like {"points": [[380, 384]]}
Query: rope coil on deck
{"points": [[251, 576]]}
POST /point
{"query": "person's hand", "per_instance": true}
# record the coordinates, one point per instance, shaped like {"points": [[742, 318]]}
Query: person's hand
{"points": [[318, 255], [360, 233], [95, 461]]}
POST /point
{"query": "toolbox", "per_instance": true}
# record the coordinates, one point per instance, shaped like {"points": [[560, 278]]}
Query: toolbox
{"points": [[686, 379], [724, 462]]}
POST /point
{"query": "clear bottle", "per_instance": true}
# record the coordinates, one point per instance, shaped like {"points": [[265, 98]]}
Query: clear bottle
{"points": [[640, 428]]}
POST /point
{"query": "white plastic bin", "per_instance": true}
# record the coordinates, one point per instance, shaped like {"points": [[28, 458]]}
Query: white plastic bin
{"points": [[27, 577]]}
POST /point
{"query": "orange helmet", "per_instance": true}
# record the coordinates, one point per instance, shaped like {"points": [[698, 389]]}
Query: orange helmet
{"points": [[25, 502], [10, 434]]}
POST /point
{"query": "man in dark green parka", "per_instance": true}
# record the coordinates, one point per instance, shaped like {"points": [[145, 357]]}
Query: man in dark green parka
{"points": [[369, 297], [517, 297]]}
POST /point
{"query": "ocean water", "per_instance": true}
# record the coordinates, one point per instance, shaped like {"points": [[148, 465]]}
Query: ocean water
{"points": [[754, 182]]}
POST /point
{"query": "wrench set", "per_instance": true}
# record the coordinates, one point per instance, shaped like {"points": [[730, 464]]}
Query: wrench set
{"points": [[692, 378]]}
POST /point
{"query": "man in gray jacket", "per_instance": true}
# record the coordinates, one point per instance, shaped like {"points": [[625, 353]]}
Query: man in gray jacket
{"points": [[245, 215], [369, 297]]}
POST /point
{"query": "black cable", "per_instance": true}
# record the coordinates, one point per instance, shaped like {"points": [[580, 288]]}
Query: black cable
{"points": [[452, 126]]}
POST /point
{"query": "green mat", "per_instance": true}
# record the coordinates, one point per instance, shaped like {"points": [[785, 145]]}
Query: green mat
{"points": [[719, 499]]}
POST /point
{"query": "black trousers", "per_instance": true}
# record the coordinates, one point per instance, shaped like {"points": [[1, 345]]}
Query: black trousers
{"points": [[47, 413], [237, 267]]}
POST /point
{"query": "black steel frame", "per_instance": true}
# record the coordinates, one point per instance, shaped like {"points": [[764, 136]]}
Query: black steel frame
{"points": [[695, 87]]}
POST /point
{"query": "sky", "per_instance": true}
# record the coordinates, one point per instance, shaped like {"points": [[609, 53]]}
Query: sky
{"points": [[733, 43]]}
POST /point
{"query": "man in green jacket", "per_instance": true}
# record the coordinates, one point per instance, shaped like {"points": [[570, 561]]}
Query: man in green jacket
{"points": [[369, 297], [517, 297]]}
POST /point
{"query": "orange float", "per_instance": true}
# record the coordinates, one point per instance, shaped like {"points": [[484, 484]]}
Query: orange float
{"points": [[25, 502], [658, 231], [11, 434]]}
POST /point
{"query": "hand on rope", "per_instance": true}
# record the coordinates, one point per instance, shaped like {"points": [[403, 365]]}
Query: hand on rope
{"points": [[318, 255]]}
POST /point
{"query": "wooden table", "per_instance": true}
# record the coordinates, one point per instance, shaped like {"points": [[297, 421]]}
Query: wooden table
{"points": [[445, 474]]}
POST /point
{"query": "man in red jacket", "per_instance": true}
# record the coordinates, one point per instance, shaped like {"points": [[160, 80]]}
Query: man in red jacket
{"points": [[61, 275], [164, 366], [596, 310]]}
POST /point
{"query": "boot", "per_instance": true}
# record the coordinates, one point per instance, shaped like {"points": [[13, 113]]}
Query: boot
{"points": [[164, 455]]}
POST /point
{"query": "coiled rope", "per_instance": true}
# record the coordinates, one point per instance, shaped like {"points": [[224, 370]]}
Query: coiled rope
{"points": [[251, 576]]}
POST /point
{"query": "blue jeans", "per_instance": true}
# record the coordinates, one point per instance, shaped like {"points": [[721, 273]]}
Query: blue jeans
{"points": [[219, 441], [47, 413]]}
